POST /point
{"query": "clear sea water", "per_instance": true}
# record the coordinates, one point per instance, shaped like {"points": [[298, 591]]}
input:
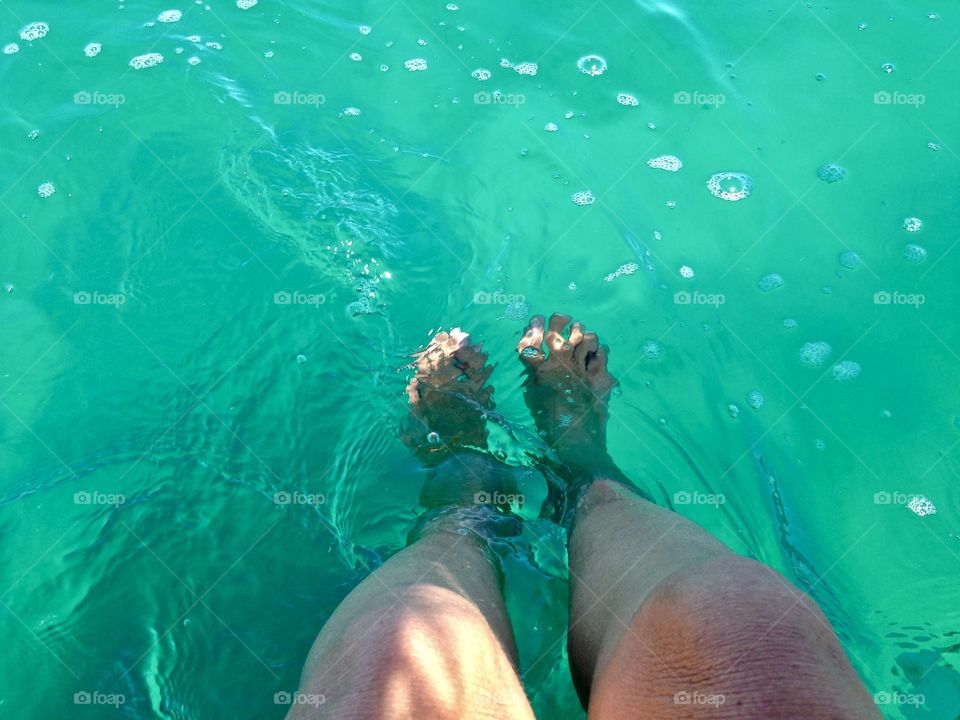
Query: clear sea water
{"points": [[217, 302]]}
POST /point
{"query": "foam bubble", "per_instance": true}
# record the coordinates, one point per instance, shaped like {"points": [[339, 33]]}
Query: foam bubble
{"points": [[365, 29], [622, 271], [193, 38], [214, 45], [670, 163], [356, 57], [147, 60], [652, 350], [415, 64], [193, 60], [888, 67], [933, 146], [627, 100], [755, 399], [914, 253], [912, 224], [592, 65], [517, 311], [831, 172], [584, 197], [92, 49], [481, 74], [34, 31], [814, 353], [384, 68], [452, 7], [504, 63], [790, 323], [770, 281], [246, 4], [46, 189], [850, 260], [732, 186], [733, 410], [421, 42], [550, 127], [921, 506], [526, 68], [686, 271], [11, 48], [169, 16], [845, 370], [350, 111]]}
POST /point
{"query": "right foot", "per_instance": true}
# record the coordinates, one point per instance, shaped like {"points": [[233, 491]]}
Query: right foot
{"points": [[568, 389]]}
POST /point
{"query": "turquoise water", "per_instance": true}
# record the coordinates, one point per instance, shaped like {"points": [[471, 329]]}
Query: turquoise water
{"points": [[217, 302]]}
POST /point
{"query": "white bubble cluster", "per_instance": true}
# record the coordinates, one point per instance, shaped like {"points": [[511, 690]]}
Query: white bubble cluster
{"points": [[92, 49], [504, 63], [356, 57], [921, 506], [46, 189], [365, 29], [850, 260], [627, 99], [34, 31], [622, 271], [11, 48], [814, 353], [652, 350], [246, 4], [415, 64], [915, 254], [526, 68], [147, 60], [831, 172], [670, 163], [732, 186], [481, 74], [214, 45], [592, 65], [452, 7], [845, 370], [755, 399], [686, 272], [170, 16], [350, 111], [193, 38], [584, 197], [912, 224], [193, 60], [516, 311], [770, 281], [550, 127]]}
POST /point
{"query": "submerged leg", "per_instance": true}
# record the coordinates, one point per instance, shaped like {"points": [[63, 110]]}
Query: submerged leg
{"points": [[427, 635], [665, 621]]}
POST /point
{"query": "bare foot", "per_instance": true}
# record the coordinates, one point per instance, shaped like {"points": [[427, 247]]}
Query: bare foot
{"points": [[449, 403], [567, 390], [449, 397]]}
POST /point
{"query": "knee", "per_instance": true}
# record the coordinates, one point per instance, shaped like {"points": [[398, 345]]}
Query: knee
{"points": [[734, 633]]}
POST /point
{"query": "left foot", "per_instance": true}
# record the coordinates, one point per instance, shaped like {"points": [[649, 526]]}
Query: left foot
{"points": [[449, 403]]}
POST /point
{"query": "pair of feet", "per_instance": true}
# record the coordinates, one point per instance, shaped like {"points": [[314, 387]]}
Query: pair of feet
{"points": [[567, 389]]}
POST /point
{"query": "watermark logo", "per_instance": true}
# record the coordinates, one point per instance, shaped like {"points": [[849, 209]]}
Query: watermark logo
{"points": [[695, 697], [296, 97], [685, 297], [94, 697], [497, 298], [698, 498], [897, 698], [498, 498], [95, 297], [282, 497], [83, 497], [884, 97], [95, 97], [298, 698], [885, 297], [685, 97], [284, 297], [498, 98]]}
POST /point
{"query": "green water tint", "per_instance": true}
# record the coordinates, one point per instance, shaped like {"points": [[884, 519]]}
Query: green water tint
{"points": [[247, 217]]}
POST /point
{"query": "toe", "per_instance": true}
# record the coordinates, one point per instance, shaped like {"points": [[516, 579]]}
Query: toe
{"points": [[530, 346], [576, 333], [597, 363], [587, 347], [556, 342]]}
